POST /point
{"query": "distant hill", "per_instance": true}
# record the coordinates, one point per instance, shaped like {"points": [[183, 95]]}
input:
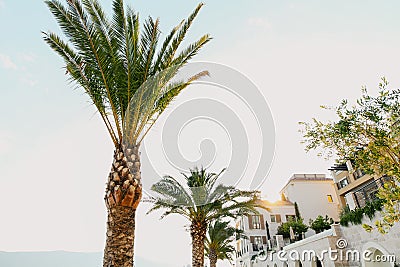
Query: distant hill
{"points": [[61, 259]]}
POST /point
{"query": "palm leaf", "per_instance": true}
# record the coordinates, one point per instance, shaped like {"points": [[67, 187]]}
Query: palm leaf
{"points": [[112, 58]]}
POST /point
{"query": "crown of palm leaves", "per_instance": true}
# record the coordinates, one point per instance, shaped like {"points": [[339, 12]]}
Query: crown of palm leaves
{"points": [[112, 58]]}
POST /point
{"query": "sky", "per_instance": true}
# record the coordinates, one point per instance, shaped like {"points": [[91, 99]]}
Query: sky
{"points": [[55, 153]]}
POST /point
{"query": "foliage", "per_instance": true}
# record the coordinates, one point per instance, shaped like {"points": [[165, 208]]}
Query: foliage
{"points": [[368, 134], [219, 240], [321, 223], [202, 200], [355, 216], [390, 193], [110, 58], [297, 225]]}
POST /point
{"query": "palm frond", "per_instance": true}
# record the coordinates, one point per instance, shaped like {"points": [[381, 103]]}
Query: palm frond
{"points": [[171, 189], [170, 52], [75, 68], [208, 202], [112, 48], [167, 41], [191, 50], [149, 40], [219, 240], [112, 58]]}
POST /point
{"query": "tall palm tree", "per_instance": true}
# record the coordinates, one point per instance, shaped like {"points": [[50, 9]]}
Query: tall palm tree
{"points": [[201, 201], [218, 244], [111, 59]]}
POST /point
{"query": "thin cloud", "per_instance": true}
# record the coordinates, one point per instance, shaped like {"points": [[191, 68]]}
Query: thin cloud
{"points": [[259, 22], [5, 142], [28, 80], [7, 63], [27, 57]]}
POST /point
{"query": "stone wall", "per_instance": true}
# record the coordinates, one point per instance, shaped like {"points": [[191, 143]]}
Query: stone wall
{"points": [[359, 239], [352, 238]]}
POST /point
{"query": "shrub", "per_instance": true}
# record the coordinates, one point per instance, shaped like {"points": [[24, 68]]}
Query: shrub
{"points": [[355, 216], [297, 225], [320, 223]]}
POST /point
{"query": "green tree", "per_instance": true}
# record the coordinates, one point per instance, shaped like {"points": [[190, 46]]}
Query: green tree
{"points": [[367, 133], [218, 244], [201, 201], [110, 59], [298, 227], [321, 224]]}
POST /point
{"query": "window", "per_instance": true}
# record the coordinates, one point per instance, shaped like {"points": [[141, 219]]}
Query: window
{"points": [[342, 183], [256, 222], [290, 218], [257, 245], [330, 198], [258, 240], [276, 218]]}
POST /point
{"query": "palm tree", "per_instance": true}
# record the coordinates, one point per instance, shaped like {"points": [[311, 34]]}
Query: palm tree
{"points": [[218, 244], [201, 202], [111, 59]]}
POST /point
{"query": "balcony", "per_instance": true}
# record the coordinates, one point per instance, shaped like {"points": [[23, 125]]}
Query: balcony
{"points": [[367, 192]]}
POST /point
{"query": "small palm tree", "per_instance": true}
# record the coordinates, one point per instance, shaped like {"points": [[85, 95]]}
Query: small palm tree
{"points": [[111, 60], [218, 244], [201, 202]]}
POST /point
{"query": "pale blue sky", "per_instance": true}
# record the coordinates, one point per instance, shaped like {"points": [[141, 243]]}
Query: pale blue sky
{"points": [[300, 54]]}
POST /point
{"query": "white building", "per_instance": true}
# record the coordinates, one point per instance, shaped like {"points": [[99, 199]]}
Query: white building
{"points": [[314, 194], [311, 193], [261, 230]]}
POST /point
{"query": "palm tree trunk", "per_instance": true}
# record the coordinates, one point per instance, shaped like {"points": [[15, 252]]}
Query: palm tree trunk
{"points": [[198, 232], [123, 194], [213, 258]]}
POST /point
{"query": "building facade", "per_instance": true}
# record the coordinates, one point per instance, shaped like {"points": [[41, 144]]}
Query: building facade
{"points": [[351, 245], [314, 194], [353, 187], [261, 230]]}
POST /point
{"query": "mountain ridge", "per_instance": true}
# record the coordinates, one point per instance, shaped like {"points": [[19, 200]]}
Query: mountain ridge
{"points": [[61, 258]]}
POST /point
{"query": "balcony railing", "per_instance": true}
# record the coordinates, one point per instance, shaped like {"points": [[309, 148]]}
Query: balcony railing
{"points": [[367, 193]]}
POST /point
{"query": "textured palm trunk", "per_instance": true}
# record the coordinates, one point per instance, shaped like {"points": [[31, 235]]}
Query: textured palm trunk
{"points": [[213, 258], [198, 232], [123, 194]]}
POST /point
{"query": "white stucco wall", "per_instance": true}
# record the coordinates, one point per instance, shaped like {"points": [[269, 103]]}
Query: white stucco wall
{"points": [[350, 200], [273, 227], [311, 197], [316, 243]]}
